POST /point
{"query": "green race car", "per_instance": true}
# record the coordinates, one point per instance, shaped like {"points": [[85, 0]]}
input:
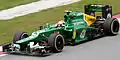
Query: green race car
{"points": [[75, 27]]}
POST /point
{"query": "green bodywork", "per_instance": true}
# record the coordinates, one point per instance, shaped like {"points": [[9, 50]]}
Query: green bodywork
{"points": [[75, 28]]}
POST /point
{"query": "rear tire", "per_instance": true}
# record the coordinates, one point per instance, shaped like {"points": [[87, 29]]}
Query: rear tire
{"points": [[56, 42], [111, 26]]}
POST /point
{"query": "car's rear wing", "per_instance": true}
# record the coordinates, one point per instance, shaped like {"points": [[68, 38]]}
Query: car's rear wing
{"points": [[92, 8]]}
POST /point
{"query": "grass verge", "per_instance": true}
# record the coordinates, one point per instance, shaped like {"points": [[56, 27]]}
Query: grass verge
{"points": [[5, 4]]}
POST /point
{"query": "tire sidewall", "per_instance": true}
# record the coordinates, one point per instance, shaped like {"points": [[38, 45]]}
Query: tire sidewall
{"points": [[24, 33], [18, 36], [52, 42], [111, 27], [56, 42], [108, 26]]}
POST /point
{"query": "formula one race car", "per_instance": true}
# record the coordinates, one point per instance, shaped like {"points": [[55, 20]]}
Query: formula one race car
{"points": [[75, 27]]}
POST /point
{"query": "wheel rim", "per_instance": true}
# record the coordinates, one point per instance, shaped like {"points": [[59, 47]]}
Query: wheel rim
{"points": [[59, 44]]}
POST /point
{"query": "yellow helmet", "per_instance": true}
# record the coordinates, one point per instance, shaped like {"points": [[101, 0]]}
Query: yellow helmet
{"points": [[67, 11]]}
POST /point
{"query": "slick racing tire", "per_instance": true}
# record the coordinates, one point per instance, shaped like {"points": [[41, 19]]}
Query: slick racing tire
{"points": [[20, 35], [111, 26], [56, 42]]}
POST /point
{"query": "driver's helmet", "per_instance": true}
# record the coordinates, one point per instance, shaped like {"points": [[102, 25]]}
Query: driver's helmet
{"points": [[60, 23], [67, 11]]}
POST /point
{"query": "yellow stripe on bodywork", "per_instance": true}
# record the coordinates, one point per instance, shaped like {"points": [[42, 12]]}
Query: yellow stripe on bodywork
{"points": [[89, 19], [74, 34]]}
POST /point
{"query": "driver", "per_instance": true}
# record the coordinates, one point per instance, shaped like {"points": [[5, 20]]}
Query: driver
{"points": [[60, 23]]}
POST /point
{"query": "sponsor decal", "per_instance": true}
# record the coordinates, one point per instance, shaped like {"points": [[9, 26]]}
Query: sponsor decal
{"points": [[77, 24], [82, 34]]}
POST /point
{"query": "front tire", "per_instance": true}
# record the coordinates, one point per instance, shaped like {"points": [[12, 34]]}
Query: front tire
{"points": [[56, 42], [20, 35]]}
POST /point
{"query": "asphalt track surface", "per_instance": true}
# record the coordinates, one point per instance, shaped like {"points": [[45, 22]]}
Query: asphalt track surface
{"points": [[105, 48]]}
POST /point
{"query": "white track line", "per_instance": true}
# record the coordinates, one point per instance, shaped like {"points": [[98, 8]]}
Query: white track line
{"points": [[32, 7], [3, 55]]}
